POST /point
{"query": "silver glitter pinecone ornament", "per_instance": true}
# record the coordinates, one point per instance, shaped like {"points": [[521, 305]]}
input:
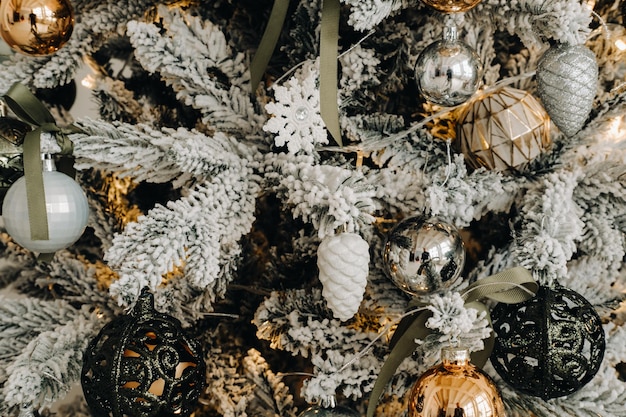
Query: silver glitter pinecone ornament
{"points": [[567, 79], [343, 261]]}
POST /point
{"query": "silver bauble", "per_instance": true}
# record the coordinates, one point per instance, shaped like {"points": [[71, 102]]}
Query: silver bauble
{"points": [[423, 256], [567, 79], [448, 71]]}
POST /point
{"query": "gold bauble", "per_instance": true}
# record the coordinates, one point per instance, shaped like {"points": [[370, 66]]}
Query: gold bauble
{"points": [[455, 388], [503, 130], [451, 6], [36, 27]]}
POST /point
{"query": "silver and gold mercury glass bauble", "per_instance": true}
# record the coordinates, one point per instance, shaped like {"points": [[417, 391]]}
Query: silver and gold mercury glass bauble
{"points": [[448, 71], [423, 256]]}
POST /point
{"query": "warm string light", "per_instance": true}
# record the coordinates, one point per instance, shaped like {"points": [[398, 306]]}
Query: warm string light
{"points": [[89, 81], [617, 130]]}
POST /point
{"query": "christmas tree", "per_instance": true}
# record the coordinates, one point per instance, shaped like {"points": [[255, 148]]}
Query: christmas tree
{"points": [[289, 180]]}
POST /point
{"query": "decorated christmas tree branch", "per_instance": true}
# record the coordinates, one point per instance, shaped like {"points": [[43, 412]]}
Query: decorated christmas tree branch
{"points": [[20, 320], [195, 59], [131, 150], [550, 227], [328, 197], [202, 231], [49, 363], [338, 343], [539, 21], [466, 197], [117, 102], [270, 392], [364, 15]]}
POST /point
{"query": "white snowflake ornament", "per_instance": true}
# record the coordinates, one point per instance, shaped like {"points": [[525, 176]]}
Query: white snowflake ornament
{"points": [[296, 119], [343, 262]]}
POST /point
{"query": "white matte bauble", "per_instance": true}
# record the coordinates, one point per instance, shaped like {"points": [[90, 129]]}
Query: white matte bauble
{"points": [[66, 206]]}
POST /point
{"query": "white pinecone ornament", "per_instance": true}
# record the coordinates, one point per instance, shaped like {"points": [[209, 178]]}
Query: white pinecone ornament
{"points": [[343, 262], [567, 80]]}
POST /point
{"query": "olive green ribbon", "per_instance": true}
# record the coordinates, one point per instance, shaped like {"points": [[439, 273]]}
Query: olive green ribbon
{"points": [[30, 110], [510, 286], [268, 42], [329, 43]]}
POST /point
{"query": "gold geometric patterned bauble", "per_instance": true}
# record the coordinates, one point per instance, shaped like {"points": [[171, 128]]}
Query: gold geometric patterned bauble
{"points": [[503, 130], [451, 6], [36, 27]]}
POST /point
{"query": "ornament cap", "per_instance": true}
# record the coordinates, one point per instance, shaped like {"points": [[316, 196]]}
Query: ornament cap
{"points": [[48, 163], [145, 303], [455, 356], [450, 33], [328, 401]]}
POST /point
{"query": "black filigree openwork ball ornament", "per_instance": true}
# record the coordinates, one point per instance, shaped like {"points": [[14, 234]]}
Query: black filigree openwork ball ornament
{"points": [[550, 345], [143, 365]]}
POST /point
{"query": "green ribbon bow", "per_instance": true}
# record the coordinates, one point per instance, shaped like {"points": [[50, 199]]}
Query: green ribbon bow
{"points": [[510, 286], [329, 41], [30, 110]]}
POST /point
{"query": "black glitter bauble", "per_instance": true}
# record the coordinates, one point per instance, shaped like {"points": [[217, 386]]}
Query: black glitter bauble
{"points": [[143, 365], [334, 411], [550, 345]]}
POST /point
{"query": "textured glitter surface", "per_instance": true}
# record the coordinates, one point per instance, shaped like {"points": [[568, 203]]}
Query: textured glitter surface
{"points": [[550, 345], [567, 79], [143, 364]]}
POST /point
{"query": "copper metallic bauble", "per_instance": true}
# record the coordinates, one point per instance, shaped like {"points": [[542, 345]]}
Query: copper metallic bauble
{"points": [[36, 27], [550, 345], [423, 256], [448, 72], [503, 130], [143, 365], [455, 388], [451, 6]]}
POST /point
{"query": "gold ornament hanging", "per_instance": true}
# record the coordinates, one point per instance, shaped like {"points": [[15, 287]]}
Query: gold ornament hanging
{"points": [[455, 388], [451, 6], [503, 130], [36, 27]]}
